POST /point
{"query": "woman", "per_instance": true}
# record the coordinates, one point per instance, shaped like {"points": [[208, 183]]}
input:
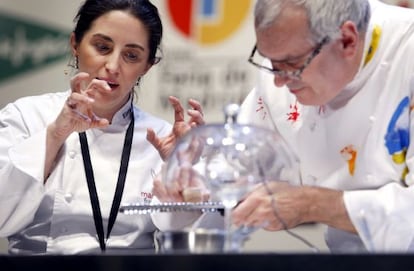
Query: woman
{"points": [[68, 160]]}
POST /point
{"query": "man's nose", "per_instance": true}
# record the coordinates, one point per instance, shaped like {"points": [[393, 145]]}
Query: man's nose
{"points": [[281, 80]]}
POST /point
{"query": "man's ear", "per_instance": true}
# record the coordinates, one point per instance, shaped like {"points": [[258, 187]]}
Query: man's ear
{"points": [[350, 38]]}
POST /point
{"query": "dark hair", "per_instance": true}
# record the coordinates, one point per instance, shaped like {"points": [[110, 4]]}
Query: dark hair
{"points": [[143, 10]]}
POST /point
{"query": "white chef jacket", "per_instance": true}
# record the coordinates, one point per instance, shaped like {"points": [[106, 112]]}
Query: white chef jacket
{"points": [[57, 217], [358, 142]]}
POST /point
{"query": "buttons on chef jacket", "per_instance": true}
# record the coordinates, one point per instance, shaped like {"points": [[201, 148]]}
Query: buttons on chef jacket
{"points": [[72, 154], [312, 126], [68, 197], [372, 119]]}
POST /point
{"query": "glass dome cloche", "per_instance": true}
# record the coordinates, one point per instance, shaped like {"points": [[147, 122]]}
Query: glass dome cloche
{"points": [[226, 160], [220, 163]]}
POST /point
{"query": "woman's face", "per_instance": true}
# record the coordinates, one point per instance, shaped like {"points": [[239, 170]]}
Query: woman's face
{"points": [[115, 50]]}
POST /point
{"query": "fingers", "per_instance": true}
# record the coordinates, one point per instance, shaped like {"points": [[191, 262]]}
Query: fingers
{"points": [[182, 188], [76, 99], [165, 145], [196, 149], [195, 105], [81, 100], [243, 211], [70, 103], [184, 175], [152, 138], [81, 83], [254, 211], [193, 194], [77, 113], [196, 118], [95, 86], [159, 190], [80, 106], [178, 109], [275, 211], [166, 192], [191, 154], [196, 113], [160, 144], [78, 82], [174, 191]]}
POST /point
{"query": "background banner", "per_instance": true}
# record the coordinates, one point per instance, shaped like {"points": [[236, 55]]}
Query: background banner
{"points": [[26, 45], [205, 49]]}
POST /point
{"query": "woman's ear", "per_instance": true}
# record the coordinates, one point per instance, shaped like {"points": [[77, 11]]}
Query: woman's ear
{"points": [[147, 68], [73, 44]]}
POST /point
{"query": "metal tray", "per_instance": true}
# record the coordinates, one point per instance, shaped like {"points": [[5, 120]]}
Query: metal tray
{"points": [[139, 208]]}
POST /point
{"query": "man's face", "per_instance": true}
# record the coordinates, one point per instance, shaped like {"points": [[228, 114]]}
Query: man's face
{"points": [[287, 45]]}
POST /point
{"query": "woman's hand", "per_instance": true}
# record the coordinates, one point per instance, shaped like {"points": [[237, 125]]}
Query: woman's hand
{"points": [[165, 145], [77, 114], [187, 186]]}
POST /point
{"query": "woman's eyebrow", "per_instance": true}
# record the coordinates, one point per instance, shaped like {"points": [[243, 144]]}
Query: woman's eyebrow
{"points": [[130, 45]]}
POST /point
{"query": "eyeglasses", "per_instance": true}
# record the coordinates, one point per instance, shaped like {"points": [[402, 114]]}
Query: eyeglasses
{"points": [[294, 73]]}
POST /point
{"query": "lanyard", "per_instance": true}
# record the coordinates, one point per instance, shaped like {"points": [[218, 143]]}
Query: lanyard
{"points": [[97, 216]]}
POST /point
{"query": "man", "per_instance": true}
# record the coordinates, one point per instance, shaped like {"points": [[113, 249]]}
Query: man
{"points": [[339, 90]]}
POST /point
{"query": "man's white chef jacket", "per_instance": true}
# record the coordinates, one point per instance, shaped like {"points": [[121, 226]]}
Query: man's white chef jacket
{"points": [[359, 142]]}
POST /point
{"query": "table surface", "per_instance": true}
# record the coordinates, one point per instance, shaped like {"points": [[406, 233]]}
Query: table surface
{"points": [[212, 262]]}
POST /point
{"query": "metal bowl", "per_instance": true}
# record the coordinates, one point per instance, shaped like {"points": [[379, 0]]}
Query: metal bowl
{"points": [[197, 241]]}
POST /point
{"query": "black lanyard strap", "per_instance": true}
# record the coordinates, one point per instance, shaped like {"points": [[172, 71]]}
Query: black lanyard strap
{"points": [[93, 195]]}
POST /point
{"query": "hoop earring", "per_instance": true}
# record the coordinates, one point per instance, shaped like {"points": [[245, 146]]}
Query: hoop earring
{"points": [[73, 63], [138, 82], [76, 62]]}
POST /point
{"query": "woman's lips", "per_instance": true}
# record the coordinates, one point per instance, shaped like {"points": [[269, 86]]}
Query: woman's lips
{"points": [[112, 84], [294, 91]]}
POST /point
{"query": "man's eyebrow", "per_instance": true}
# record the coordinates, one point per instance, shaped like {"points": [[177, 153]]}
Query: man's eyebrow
{"points": [[286, 59]]}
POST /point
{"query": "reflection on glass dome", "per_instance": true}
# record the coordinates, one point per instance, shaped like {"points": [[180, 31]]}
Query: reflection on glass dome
{"points": [[228, 160]]}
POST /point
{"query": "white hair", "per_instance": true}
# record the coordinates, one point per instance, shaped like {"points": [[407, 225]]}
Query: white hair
{"points": [[325, 17]]}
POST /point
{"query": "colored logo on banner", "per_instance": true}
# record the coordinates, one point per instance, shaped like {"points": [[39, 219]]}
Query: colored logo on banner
{"points": [[208, 21], [26, 46]]}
